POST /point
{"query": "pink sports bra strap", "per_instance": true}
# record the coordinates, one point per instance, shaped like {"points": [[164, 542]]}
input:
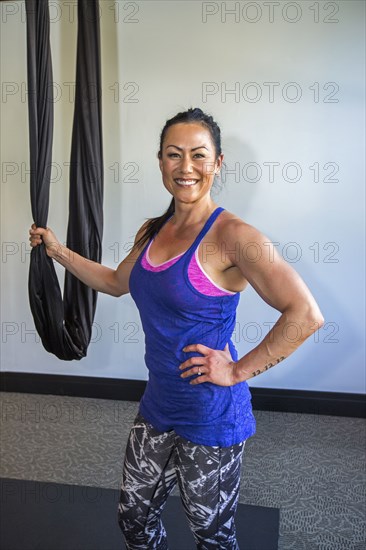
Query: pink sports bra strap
{"points": [[197, 276]]}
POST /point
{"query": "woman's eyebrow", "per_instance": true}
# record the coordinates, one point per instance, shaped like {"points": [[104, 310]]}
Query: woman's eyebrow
{"points": [[194, 148]]}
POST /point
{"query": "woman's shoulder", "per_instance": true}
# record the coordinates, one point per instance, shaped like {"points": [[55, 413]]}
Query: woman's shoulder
{"points": [[230, 227], [243, 243]]}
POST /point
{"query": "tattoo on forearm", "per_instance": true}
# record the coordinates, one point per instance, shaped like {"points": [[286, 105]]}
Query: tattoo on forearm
{"points": [[268, 366]]}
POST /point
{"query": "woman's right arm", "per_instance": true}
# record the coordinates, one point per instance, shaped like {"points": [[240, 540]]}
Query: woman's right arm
{"points": [[99, 277]]}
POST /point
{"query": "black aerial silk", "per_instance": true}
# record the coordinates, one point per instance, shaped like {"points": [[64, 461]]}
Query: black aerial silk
{"points": [[65, 325]]}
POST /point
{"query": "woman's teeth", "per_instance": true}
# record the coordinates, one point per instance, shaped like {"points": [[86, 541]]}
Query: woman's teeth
{"points": [[187, 183]]}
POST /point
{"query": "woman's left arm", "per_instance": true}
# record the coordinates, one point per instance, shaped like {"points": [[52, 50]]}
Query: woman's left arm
{"points": [[280, 286]]}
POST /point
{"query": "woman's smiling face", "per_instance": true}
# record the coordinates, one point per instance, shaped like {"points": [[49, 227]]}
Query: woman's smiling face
{"points": [[188, 161]]}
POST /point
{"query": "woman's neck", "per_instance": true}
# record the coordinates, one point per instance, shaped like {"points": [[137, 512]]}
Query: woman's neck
{"points": [[192, 214]]}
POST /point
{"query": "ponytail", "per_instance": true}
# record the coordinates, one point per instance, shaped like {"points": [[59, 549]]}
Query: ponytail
{"points": [[154, 225]]}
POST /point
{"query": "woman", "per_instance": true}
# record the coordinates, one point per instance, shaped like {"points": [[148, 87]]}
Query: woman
{"points": [[185, 272]]}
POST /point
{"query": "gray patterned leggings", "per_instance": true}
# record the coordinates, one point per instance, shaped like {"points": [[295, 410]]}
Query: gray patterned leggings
{"points": [[208, 479]]}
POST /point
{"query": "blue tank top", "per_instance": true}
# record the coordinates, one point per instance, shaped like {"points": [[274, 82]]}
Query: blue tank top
{"points": [[174, 314]]}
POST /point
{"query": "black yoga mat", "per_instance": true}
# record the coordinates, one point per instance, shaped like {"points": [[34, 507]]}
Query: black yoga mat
{"points": [[50, 516]]}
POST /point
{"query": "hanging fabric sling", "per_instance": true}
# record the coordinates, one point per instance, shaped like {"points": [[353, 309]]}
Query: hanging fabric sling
{"points": [[65, 325]]}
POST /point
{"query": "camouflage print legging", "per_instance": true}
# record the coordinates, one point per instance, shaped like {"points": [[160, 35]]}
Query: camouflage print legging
{"points": [[208, 479]]}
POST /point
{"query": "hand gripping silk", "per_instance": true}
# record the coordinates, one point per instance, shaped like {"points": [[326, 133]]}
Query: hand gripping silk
{"points": [[174, 314], [65, 325]]}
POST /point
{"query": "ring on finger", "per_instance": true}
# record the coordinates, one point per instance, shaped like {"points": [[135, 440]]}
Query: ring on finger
{"points": [[199, 372]]}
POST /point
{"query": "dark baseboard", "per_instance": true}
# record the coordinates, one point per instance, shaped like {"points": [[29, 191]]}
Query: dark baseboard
{"points": [[265, 399]]}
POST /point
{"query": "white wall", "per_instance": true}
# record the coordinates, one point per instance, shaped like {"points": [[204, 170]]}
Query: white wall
{"points": [[159, 55]]}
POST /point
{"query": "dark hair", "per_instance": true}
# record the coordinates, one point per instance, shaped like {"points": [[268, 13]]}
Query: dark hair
{"points": [[191, 115]]}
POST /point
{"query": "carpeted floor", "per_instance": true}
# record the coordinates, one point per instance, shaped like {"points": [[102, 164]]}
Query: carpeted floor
{"points": [[310, 467]]}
